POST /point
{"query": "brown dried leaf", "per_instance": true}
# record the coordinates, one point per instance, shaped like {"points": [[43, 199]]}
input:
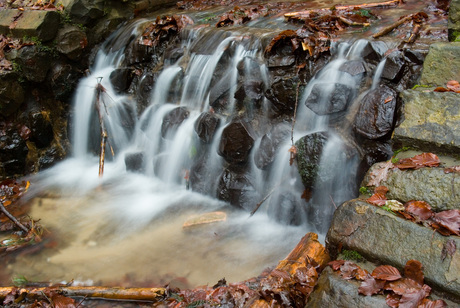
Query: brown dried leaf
{"points": [[392, 300], [371, 286], [450, 220], [414, 271], [405, 163], [381, 190], [348, 270], [377, 199], [379, 173], [420, 210], [386, 272], [455, 169], [361, 274], [453, 85], [426, 160], [412, 299], [426, 303], [336, 264], [403, 285], [441, 89], [449, 248]]}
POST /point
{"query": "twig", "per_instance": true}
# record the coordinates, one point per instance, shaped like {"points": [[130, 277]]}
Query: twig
{"points": [[104, 135], [263, 200], [333, 201], [295, 112], [345, 7], [352, 23], [413, 35], [12, 218], [416, 16]]}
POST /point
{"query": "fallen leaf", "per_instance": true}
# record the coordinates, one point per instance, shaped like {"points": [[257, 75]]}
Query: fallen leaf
{"points": [[377, 199], [420, 210], [412, 299], [386, 272], [348, 270], [414, 271], [453, 85], [392, 300], [449, 219], [371, 286], [379, 173], [427, 160], [336, 264], [394, 205], [381, 190], [403, 285], [426, 303], [455, 169]]}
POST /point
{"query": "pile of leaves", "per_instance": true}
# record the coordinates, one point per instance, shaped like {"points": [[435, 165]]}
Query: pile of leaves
{"points": [[273, 288], [240, 15], [445, 222], [11, 190], [7, 44], [163, 28], [408, 291], [35, 4], [206, 4]]}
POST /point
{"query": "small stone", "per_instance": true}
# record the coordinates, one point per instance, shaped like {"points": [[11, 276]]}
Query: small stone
{"points": [[204, 219]]}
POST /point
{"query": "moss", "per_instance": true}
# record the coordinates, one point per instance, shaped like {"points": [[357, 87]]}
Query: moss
{"points": [[352, 255]]}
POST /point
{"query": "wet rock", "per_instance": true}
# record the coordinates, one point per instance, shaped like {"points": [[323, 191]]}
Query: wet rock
{"points": [[63, 80], [309, 150], [394, 66], [251, 92], [375, 116], [41, 129], [144, 90], [34, 63], [268, 148], [84, 11], [442, 64], [32, 23], [432, 121], [323, 100], [379, 235], [288, 209], [374, 151], [373, 51], [121, 79], [354, 67], [236, 187], [432, 185], [11, 94], [50, 157], [282, 94], [333, 291], [281, 61], [134, 162], [236, 142], [172, 54], [454, 20], [206, 125], [13, 152], [220, 89], [415, 56], [173, 120], [71, 41]]}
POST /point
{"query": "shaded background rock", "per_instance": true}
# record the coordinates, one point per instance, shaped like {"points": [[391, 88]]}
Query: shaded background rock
{"points": [[71, 41], [236, 142], [269, 145], [172, 120], [206, 125], [11, 94]]}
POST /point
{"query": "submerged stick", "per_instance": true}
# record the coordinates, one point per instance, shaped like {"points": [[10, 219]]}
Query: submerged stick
{"points": [[104, 135], [12, 218], [148, 294]]}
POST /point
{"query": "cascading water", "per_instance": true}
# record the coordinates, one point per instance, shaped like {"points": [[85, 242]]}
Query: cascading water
{"points": [[176, 143]]}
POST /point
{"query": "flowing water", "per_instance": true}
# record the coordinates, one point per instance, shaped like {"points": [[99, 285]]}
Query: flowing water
{"points": [[127, 225]]}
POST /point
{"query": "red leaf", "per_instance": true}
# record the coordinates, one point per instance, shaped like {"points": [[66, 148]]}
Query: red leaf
{"points": [[392, 300], [371, 286], [414, 271], [386, 272], [403, 285], [427, 160], [381, 190], [420, 210], [453, 85], [406, 163], [426, 303], [450, 220], [441, 89], [348, 270], [361, 274], [455, 169], [412, 299], [336, 264], [379, 173], [377, 199]]}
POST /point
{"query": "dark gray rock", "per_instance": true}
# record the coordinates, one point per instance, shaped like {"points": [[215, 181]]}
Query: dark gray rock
{"points": [[84, 12], [332, 291], [34, 63], [384, 237], [373, 51], [454, 20], [375, 116], [32, 23], [354, 67], [268, 148], [394, 66], [431, 121], [50, 157], [13, 153], [236, 142], [121, 79], [282, 94], [134, 162], [236, 187], [173, 120], [206, 125], [323, 102], [63, 79], [432, 185], [41, 129], [11, 94], [71, 41], [309, 150]]}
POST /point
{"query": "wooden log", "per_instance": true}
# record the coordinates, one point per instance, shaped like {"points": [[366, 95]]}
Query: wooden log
{"points": [[147, 294]]}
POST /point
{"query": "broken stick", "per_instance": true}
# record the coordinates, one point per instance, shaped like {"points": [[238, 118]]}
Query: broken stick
{"points": [[12, 218], [417, 16], [104, 135]]}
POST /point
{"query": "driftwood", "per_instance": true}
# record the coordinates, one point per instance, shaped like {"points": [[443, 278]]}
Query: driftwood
{"points": [[147, 294], [12, 218], [344, 8], [104, 135], [388, 29]]}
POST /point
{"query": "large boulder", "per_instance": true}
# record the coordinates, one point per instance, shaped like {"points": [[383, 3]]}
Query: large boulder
{"points": [[432, 185], [236, 142], [41, 128], [172, 120], [375, 116], [34, 62], [13, 152], [442, 64], [454, 19], [393, 68], [236, 187], [269, 145], [206, 125], [432, 121], [384, 237], [282, 95], [32, 23], [71, 41]]}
